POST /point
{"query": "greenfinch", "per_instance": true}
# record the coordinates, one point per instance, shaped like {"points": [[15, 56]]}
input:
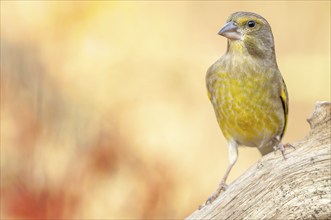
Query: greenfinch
{"points": [[247, 90]]}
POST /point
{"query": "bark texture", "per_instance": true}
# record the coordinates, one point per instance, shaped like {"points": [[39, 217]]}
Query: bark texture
{"points": [[296, 188]]}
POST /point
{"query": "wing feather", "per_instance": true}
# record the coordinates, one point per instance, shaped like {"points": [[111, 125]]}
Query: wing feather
{"points": [[285, 103]]}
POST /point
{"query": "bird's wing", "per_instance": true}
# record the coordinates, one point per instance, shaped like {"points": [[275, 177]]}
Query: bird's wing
{"points": [[284, 100]]}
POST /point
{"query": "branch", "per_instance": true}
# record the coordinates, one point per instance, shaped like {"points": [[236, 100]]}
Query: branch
{"points": [[274, 188]]}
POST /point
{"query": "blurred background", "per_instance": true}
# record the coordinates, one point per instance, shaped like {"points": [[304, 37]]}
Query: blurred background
{"points": [[104, 111]]}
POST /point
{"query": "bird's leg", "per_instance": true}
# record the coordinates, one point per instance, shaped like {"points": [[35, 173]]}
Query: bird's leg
{"points": [[221, 187], [280, 146], [233, 156]]}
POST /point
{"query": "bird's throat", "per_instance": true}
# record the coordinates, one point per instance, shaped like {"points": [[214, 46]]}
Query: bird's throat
{"points": [[250, 49], [236, 47]]}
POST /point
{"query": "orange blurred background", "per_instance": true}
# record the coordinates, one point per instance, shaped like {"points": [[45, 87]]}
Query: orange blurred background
{"points": [[104, 112]]}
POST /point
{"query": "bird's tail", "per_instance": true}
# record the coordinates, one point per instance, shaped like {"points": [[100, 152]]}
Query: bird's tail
{"points": [[267, 148]]}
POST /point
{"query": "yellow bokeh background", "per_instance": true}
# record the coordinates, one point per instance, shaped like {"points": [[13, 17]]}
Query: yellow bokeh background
{"points": [[104, 112]]}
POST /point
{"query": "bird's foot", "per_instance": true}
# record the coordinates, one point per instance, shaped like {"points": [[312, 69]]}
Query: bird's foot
{"points": [[221, 188], [280, 146]]}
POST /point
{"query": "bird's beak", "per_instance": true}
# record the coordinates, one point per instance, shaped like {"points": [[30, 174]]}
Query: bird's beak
{"points": [[230, 31]]}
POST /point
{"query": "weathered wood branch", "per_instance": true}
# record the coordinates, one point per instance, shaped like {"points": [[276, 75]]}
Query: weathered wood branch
{"points": [[296, 188]]}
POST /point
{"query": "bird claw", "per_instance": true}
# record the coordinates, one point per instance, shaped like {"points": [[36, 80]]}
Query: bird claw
{"points": [[221, 188], [282, 147]]}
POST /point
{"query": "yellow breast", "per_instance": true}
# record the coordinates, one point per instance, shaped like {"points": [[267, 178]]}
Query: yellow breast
{"points": [[247, 104]]}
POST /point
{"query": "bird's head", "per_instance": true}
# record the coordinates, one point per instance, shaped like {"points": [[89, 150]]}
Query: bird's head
{"points": [[250, 31]]}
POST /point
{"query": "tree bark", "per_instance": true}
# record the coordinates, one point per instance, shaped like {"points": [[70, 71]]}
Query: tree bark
{"points": [[296, 188]]}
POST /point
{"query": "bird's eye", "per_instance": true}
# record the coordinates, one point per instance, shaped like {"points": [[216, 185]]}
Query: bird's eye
{"points": [[251, 24]]}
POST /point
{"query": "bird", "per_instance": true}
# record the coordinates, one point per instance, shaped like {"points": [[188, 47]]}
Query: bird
{"points": [[247, 90]]}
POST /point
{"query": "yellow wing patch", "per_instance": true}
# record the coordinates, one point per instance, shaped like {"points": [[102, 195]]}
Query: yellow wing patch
{"points": [[284, 99]]}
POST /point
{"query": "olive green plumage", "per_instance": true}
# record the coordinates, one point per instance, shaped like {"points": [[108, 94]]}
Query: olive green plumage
{"points": [[246, 87]]}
